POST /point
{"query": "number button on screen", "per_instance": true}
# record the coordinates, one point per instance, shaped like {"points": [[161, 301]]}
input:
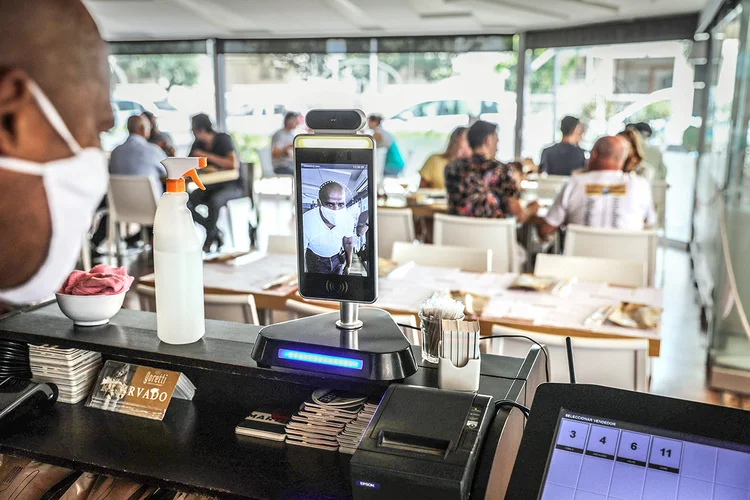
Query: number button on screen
{"points": [[602, 442], [633, 448], [572, 435], [665, 454]]}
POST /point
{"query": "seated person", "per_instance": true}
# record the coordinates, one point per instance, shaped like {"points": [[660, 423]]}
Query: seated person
{"points": [[433, 170], [481, 186], [604, 196], [282, 146], [565, 157], [394, 162], [652, 156], [328, 231], [136, 156], [219, 149], [634, 159], [516, 172], [161, 139]]}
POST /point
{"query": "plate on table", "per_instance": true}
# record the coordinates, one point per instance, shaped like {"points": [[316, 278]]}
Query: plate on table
{"points": [[534, 283], [627, 315]]}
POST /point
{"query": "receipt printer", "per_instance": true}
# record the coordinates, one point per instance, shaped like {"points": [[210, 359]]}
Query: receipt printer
{"points": [[421, 443]]}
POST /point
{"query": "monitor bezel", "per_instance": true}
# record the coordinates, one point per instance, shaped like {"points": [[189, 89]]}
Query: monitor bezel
{"points": [[359, 289], [676, 415]]}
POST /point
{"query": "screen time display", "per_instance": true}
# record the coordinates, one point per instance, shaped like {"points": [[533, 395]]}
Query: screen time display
{"points": [[596, 459], [335, 219]]}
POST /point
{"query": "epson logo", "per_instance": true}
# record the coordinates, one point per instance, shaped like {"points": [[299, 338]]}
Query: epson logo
{"points": [[367, 484]]}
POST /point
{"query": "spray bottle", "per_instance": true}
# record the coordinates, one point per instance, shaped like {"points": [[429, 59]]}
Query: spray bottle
{"points": [[178, 258]]}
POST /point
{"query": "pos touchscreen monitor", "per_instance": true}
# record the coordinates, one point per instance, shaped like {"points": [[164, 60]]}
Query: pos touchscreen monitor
{"points": [[337, 258]]}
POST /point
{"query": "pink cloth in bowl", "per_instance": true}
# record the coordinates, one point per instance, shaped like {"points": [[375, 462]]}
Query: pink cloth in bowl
{"points": [[101, 280]]}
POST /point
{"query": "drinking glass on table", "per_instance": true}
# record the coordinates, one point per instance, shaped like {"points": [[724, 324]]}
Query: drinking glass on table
{"points": [[432, 330]]}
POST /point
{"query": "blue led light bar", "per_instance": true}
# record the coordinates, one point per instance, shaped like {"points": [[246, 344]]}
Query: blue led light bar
{"points": [[321, 359]]}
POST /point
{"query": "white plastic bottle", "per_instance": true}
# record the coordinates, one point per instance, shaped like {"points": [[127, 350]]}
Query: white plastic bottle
{"points": [[178, 259]]}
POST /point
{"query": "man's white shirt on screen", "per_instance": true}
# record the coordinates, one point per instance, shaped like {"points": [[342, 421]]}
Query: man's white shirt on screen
{"points": [[604, 199], [322, 240]]}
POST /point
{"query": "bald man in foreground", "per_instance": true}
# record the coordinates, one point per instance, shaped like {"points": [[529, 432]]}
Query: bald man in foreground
{"points": [[137, 156], [54, 103], [604, 196], [329, 232]]}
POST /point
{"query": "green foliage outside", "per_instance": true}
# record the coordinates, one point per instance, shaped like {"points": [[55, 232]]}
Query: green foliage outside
{"points": [[541, 80], [247, 146], [656, 111], [180, 70]]}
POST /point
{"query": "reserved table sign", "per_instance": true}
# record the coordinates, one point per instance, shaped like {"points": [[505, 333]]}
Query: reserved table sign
{"points": [[138, 390]]}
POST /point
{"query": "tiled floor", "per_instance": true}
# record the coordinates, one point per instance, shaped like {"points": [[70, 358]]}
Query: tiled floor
{"points": [[679, 371]]}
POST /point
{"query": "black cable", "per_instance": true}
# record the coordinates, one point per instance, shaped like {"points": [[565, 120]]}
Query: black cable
{"points": [[404, 325], [514, 404], [544, 350]]}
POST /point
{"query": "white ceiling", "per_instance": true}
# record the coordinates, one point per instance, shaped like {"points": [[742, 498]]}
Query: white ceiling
{"points": [[190, 19]]}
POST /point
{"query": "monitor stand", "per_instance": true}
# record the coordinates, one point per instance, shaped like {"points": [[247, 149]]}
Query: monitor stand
{"points": [[365, 344]]}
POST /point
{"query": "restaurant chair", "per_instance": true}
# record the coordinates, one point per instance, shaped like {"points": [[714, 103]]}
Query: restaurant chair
{"points": [[659, 195], [131, 199], [238, 213], [266, 162], [584, 241], [498, 235], [282, 244], [466, 259], [597, 270], [238, 308], [298, 309], [621, 363], [394, 225], [547, 188]]}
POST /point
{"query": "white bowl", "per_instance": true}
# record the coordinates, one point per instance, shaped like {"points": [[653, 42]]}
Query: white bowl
{"points": [[90, 310]]}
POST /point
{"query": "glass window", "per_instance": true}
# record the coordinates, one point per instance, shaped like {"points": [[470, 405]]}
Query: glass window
{"points": [[608, 87], [722, 206], [172, 87], [443, 90], [422, 96], [490, 107], [262, 88]]}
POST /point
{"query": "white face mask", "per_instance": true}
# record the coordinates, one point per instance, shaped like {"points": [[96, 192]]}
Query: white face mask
{"points": [[335, 217], [74, 186]]}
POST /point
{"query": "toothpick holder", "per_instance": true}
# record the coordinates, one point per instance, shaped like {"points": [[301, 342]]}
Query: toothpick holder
{"points": [[453, 378]]}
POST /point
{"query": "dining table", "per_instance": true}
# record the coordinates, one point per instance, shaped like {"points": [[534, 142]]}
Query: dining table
{"points": [[567, 310]]}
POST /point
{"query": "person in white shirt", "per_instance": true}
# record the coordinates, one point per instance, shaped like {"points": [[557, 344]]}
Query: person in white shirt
{"points": [[604, 196], [329, 232]]}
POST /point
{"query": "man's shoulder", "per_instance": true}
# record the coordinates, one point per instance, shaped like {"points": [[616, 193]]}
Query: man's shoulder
{"points": [[311, 215]]}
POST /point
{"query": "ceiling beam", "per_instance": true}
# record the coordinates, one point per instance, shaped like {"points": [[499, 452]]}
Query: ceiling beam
{"points": [[525, 8], [219, 16], [355, 15], [597, 4]]}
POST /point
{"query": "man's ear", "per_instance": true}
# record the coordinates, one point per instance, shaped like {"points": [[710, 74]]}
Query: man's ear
{"points": [[14, 99]]}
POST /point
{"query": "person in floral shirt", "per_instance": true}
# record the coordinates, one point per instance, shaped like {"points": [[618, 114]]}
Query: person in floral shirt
{"points": [[481, 186]]}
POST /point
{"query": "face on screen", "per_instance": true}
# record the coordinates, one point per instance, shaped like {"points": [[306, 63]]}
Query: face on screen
{"points": [[335, 222]]}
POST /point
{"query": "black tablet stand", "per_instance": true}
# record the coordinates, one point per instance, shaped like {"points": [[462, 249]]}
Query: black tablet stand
{"points": [[366, 344]]}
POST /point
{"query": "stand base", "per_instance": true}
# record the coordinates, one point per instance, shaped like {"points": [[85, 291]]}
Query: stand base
{"points": [[376, 351]]}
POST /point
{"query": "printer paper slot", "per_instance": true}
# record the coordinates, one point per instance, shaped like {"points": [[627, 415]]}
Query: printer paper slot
{"points": [[417, 444]]}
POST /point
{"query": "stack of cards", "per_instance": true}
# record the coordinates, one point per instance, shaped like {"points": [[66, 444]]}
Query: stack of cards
{"points": [[73, 371], [322, 418], [266, 424], [351, 436], [14, 359]]}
